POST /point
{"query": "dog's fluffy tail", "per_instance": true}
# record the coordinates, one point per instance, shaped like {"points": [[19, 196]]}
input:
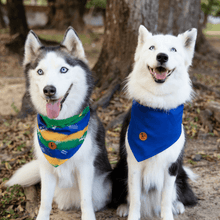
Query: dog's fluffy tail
{"points": [[26, 176], [190, 174], [184, 190]]}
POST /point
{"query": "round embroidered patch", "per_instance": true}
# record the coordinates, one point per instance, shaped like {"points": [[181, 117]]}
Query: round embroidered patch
{"points": [[143, 136], [52, 145]]}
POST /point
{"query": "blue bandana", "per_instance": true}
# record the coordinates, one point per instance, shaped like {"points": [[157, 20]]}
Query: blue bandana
{"points": [[152, 131]]}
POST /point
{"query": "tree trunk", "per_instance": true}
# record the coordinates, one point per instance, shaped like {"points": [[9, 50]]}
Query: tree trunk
{"points": [[2, 22], [69, 13], [52, 12], [123, 19], [17, 17]]}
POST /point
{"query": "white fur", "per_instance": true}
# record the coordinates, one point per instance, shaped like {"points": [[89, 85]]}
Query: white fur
{"points": [[76, 182], [74, 45], [152, 172], [29, 175], [61, 82], [176, 90], [32, 46], [190, 174]]}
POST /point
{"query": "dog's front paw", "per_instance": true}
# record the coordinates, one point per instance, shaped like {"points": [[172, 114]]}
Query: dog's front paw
{"points": [[134, 216], [42, 217], [123, 210], [180, 208], [88, 216], [167, 216]]}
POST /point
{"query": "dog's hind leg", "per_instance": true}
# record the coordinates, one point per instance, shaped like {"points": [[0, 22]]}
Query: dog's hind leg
{"points": [[48, 184], [85, 180], [167, 192]]}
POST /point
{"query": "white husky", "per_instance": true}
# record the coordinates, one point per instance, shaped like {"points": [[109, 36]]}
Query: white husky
{"points": [[159, 82], [60, 87]]}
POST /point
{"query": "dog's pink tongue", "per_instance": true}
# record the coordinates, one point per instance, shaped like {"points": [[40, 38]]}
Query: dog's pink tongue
{"points": [[53, 109], [161, 75]]}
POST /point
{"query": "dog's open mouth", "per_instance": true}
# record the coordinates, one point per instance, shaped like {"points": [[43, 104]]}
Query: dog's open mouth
{"points": [[54, 106], [160, 73]]}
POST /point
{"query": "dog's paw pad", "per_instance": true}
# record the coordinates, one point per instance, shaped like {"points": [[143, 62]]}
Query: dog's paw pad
{"points": [[122, 210]]}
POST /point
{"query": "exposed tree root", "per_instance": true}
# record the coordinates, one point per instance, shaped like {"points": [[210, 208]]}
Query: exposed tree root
{"points": [[27, 107], [106, 98], [117, 121], [203, 87]]}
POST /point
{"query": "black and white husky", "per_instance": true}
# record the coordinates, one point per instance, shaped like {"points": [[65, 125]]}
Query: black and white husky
{"points": [[149, 178], [60, 87]]}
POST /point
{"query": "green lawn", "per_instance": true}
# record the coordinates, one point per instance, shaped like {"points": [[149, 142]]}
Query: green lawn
{"points": [[55, 37], [212, 27]]}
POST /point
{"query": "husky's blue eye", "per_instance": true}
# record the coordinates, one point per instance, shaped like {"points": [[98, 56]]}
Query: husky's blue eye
{"points": [[40, 72], [63, 70], [173, 49], [152, 48]]}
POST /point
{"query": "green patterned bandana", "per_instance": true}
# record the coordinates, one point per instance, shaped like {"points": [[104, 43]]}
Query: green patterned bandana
{"points": [[61, 139]]}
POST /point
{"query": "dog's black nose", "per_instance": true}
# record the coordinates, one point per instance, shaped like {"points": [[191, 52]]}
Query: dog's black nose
{"points": [[49, 90], [162, 58]]}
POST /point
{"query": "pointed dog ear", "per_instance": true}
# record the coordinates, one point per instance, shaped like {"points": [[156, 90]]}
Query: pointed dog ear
{"points": [[32, 45], [143, 34], [73, 44], [189, 40]]}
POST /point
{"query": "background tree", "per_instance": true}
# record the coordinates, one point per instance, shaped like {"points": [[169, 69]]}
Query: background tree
{"points": [[123, 19], [51, 13], [69, 13], [210, 7], [2, 22], [17, 17], [17, 24]]}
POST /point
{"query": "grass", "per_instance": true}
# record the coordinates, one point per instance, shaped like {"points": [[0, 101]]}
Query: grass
{"points": [[28, 2], [4, 31], [12, 195], [55, 37], [212, 27]]}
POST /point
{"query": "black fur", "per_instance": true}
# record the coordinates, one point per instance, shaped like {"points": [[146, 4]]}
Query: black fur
{"points": [[101, 162], [173, 169], [120, 175], [184, 191]]}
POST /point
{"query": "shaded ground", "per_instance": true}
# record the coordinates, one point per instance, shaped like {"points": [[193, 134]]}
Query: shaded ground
{"points": [[16, 136]]}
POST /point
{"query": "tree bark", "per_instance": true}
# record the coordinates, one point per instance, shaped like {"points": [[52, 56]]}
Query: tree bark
{"points": [[17, 17], [2, 22], [123, 19], [69, 13], [52, 12]]}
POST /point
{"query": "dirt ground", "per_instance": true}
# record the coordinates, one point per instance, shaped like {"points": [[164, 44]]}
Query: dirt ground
{"points": [[12, 88]]}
